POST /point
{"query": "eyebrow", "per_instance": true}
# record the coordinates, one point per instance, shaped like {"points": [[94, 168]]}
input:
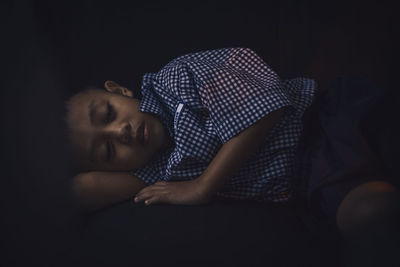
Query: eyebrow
{"points": [[92, 111]]}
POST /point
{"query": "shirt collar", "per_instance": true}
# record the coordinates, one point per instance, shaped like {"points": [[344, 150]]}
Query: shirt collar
{"points": [[151, 103]]}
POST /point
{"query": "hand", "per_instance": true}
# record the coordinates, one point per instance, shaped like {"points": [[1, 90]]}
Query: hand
{"points": [[186, 192]]}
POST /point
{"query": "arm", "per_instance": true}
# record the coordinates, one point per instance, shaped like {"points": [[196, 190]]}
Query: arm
{"points": [[236, 151], [97, 190], [228, 160]]}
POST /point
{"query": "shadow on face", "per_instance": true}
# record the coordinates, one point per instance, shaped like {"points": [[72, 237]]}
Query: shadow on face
{"points": [[109, 133]]}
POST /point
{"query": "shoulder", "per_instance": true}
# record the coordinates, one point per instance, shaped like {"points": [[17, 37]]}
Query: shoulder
{"points": [[215, 55], [206, 60]]}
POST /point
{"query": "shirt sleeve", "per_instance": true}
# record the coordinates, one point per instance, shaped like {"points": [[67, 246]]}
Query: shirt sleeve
{"points": [[237, 88], [154, 170]]}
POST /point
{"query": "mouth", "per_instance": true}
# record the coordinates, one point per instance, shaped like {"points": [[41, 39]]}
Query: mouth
{"points": [[145, 133], [142, 134]]}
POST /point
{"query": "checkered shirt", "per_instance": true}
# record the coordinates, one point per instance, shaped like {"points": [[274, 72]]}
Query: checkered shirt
{"points": [[206, 98]]}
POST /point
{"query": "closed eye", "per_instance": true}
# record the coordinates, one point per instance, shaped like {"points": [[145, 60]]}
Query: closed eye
{"points": [[109, 150], [110, 113]]}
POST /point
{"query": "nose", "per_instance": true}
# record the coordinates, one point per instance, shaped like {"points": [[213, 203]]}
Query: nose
{"points": [[122, 133]]}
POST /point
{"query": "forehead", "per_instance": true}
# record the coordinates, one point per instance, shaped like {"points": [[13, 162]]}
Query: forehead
{"points": [[79, 105], [78, 118], [84, 98]]}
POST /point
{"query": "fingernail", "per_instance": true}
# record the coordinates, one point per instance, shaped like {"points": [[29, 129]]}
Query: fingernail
{"points": [[146, 202], [136, 199]]}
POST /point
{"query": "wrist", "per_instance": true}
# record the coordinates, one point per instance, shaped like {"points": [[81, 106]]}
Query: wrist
{"points": [[205, 186]]}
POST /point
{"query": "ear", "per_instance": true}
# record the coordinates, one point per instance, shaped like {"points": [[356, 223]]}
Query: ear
{"points": [[115, 88]]}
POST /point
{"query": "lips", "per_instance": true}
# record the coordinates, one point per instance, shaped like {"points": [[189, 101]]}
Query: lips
{"points": [[145, 133]]}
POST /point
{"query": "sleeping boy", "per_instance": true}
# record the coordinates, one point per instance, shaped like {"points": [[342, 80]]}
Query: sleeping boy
{"points": [[213, 122], [223, 123]]}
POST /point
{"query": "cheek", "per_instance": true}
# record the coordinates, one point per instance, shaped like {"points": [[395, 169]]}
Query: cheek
{"points": [[131, 157], [130, 108], [158, 134]]}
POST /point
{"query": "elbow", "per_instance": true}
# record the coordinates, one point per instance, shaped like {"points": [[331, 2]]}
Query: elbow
{"points": [[82, 184], [82, 187]]}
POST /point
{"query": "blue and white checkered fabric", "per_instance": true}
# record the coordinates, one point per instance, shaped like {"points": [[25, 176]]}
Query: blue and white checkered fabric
{"points": [[206, 98]]}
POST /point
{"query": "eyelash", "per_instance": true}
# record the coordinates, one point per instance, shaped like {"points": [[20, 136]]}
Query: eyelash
{"points": [[109, 113]]}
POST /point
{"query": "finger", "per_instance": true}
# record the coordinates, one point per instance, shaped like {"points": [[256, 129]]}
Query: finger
{"points": [[149, 190], [148, 194], [146, 190], [142, 197], [154, 200], [150, 187]]}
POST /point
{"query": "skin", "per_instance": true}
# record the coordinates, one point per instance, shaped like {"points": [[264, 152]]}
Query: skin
{"points": [[370, 202], [368, 218]]}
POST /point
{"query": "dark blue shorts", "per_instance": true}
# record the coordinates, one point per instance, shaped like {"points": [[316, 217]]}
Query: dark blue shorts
{"points": [[348, 139]]}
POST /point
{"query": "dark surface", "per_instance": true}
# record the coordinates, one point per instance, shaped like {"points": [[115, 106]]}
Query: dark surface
{"points": [[226, 233], [52, 49]]}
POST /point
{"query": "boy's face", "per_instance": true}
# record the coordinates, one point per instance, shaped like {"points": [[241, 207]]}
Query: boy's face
{"points": [[110, 133]]}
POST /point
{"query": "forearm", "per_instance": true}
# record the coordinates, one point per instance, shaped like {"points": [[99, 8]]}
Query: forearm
{"points": [[236, 151], [96, 190], [228, 160]]}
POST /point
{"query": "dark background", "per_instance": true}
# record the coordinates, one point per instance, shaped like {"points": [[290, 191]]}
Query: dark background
{"points": [[52, 49]]}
